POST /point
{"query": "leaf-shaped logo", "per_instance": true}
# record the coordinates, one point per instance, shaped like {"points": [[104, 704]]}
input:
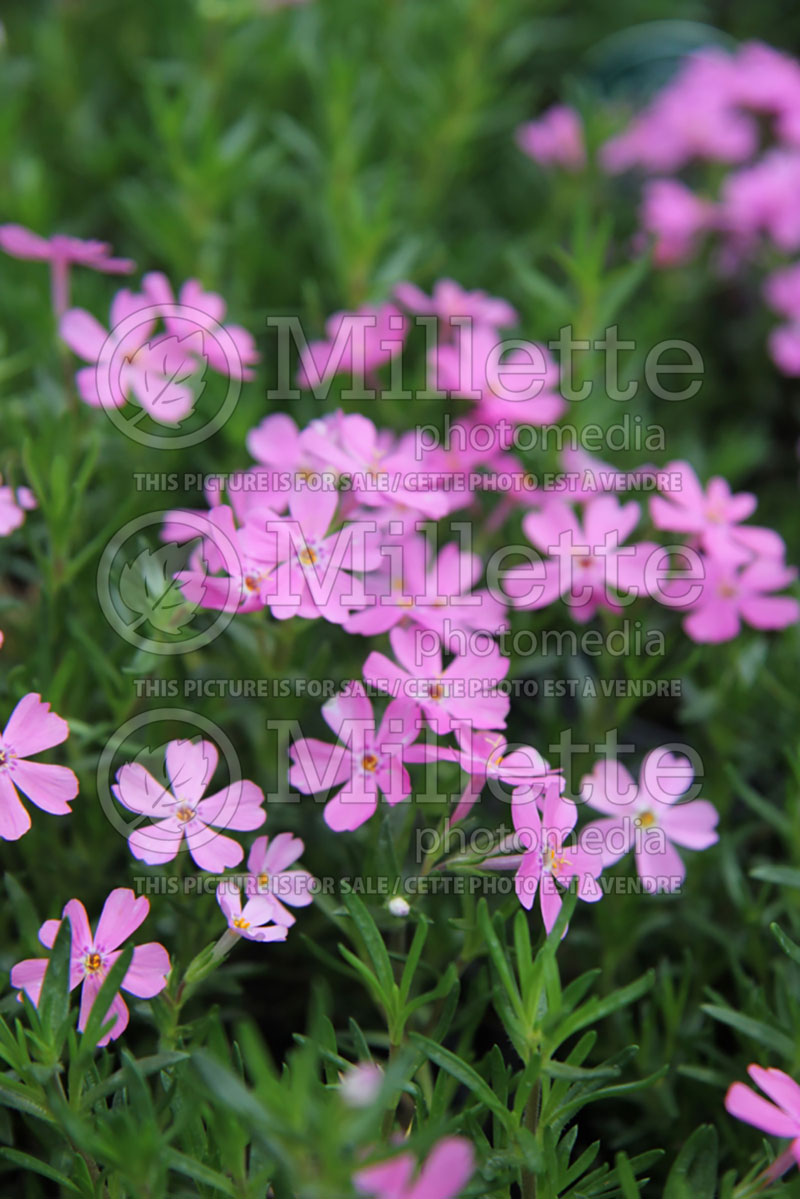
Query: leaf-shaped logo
{"points": [[148, 587], [167, 375]]}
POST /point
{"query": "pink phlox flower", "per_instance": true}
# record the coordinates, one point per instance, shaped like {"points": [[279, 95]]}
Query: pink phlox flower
{"points": [[356, 343], [129, 362], [587, 564], [14, 503], [778, 1115], [229, 349], [554, 139], [254, 920], [468, 689], [182, 812], [435, 595], [31, 728], [650, 817], [62, 252], [317, 571], [94, 953], [445, 1172], [676, 217], [548, 860], [713, 515], [366, 760], [517, 385], [270, 877], [451, 304], [725, 594]]}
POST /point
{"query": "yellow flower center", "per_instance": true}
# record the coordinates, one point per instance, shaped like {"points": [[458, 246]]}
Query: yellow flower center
{"points": [[93, 962], [240, 922], [369, 762], [307, 556], [185, 813], [263, 880], [436, 691], [646, 820]]}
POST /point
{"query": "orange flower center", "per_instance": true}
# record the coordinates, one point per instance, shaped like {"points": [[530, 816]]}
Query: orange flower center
{"points": [[369, 762], [240, 922]]}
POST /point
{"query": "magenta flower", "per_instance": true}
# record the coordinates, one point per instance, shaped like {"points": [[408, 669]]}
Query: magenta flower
{"points": [[314, 568], [555, 139], [517, 386], [485, 756], [547, 861], [650, 817], [31, 728], [726, 594], [13, 506], [446, 1171], [713, 516], [183, 812], [253, 921], [450, 302], [356, 343], [433, 595], [93, 955], [228, 349], [466, 691], [676, 217], [271, 878], [587, 563], [367, 761], [778, 1118], [61, 252], [126, 363]]}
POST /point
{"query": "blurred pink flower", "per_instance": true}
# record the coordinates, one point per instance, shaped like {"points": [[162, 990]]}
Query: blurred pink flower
{"points": [[31, 728], [512, 381], [446, 1171], [229, 349], [555, 138], [356, 343], [13, 506], [61, 252], [93, 955], [677, 217], [714, 516], [183, 812], [649, 817], [587, 564], [450, 302], [366, 760], [726, 594]]}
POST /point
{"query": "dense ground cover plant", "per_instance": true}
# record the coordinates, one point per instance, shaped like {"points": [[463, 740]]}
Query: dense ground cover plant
{"points": [[389, 635]]}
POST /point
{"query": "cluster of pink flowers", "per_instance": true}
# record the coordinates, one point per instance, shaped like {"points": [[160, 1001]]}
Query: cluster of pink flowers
{"points": [[721, 573], [739, 113]]}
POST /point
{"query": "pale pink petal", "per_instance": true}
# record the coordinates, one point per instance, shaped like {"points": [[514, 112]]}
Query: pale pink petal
{"points": [[157, 843], [692, 825], [353, 805], [236, 807], [349, 714], [14, 818], [49, 787], [744, 1104], [82, 939], [28, 976], [317, 766], [388, 1179], [190, 767], [32, 727], [447, 1170], [140, 792], [212, 851], [283, 851], [121, 915], [147, 973], [84, 335], [24, 243], [660, 866]]}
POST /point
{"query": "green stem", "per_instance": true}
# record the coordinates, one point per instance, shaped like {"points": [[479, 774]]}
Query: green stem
{"points": [[532, 1125]]}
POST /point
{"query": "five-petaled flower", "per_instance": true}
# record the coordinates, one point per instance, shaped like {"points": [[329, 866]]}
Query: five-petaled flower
{"points": [[93, 954], [182, 812], [31, 728], [254, 920]]}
